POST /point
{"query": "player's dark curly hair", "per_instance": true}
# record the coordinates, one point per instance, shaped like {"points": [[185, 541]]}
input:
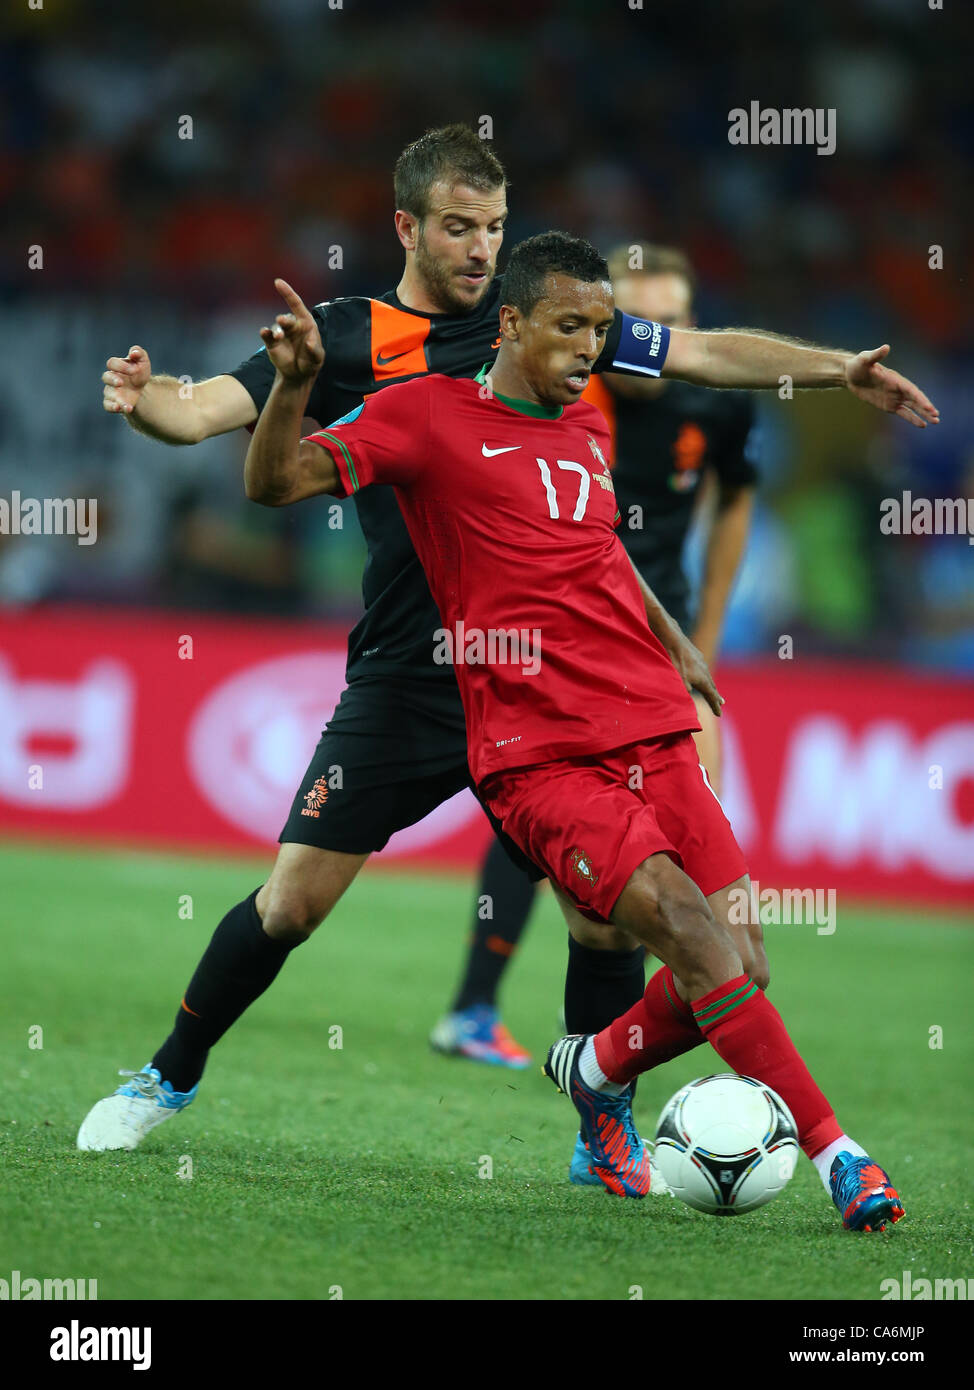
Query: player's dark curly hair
{"points": [[454, 153], [550, 253]]}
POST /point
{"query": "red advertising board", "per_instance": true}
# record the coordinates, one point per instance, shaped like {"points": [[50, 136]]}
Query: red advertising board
{"points": [[193, 731]]}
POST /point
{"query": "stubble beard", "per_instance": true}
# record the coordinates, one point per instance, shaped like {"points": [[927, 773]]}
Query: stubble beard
{"points": [[440, 282]]}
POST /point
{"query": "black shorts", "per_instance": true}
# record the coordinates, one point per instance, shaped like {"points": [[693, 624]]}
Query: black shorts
{"points": [[392, 752]]}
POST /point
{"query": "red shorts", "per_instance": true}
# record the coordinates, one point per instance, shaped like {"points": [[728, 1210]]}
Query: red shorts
{"points": [[590, 822]]}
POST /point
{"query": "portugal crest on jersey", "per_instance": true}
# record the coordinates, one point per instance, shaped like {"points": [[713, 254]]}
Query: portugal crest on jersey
{"points": [[604, 479], [599, 456]]}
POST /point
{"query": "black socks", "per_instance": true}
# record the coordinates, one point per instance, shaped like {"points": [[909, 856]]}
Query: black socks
{"points": [[509, 895], [601, 985], [241, 961], [237, 966]]}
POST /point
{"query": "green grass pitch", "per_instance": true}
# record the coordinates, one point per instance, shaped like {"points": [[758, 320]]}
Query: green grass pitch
{"points": [[316, 1168]]}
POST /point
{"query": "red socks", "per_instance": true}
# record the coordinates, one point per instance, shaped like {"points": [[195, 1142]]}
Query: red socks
{"points": [[658, 1027], [744, 1029], [747, 1032]]}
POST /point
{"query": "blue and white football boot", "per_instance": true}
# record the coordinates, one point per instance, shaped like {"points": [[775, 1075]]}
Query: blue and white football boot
{"points": [[122, 1120]]}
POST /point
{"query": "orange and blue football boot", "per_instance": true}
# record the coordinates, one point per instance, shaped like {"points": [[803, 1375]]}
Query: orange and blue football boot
{"points": [[580, 1170], [478, 1034], [863, 1193], [616, 1154]]}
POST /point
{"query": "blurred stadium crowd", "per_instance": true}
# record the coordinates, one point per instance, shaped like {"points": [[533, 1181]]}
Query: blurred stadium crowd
{"points": [[613, 123]]}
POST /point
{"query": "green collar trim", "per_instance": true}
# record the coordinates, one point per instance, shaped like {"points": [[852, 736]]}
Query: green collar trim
{"points": [[540, 412]]}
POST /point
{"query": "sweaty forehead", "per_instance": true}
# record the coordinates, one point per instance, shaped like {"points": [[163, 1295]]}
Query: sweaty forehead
{"points": [[462, 201], [585, 298]]}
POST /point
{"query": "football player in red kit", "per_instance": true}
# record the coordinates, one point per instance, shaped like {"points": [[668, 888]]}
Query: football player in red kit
{"points": [[578, 726]]}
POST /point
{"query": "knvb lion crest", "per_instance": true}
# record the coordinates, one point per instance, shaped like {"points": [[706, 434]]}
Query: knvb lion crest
{"points": [[315, 798], [582, 865], [689, 451]]}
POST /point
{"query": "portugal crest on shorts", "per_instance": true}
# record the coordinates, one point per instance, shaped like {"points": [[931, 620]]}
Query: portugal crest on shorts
{"points": [[582, 865]]}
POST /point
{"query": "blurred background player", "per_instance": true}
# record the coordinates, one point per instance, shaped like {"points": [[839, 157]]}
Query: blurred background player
{"points": [[672, 442]]}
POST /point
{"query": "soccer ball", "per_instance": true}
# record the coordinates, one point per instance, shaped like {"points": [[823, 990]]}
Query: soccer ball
{"points": [[726, 1144]]}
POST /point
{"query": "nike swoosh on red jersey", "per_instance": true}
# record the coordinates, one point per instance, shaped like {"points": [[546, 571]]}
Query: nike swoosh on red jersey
{"points": [[384, 361], [508, 448]]}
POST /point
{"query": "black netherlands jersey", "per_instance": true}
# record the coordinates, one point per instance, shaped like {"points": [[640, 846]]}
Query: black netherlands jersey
{"points": [[661, 447], [372, 343]]}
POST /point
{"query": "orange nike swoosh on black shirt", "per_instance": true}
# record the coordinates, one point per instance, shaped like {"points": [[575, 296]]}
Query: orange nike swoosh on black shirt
{"points": [[392, 328]]}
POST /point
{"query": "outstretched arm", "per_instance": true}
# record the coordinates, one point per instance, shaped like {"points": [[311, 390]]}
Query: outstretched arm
{"points": [[744, 358], [279, 468], [167, 409]]}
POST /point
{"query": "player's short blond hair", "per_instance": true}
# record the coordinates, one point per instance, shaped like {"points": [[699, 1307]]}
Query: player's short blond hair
{"points": [[454, 153], [646, 258]]}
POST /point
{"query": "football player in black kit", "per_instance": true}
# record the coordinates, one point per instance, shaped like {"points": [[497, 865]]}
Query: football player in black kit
{"points": [[398, 732]]}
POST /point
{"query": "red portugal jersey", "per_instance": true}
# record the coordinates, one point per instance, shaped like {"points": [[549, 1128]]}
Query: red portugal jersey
{"points": [[511, 510]]}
